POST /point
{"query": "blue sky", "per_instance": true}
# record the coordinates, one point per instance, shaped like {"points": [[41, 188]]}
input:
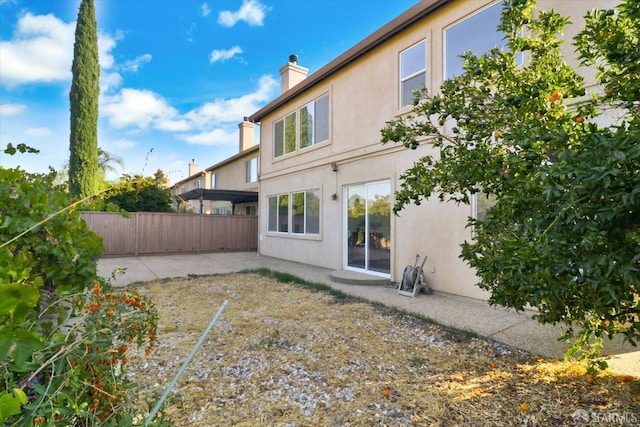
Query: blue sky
{"points": [[177, 76]]}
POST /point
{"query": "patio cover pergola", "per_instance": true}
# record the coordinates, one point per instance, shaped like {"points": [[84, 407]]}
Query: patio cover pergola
{"points": [[233, 196]]}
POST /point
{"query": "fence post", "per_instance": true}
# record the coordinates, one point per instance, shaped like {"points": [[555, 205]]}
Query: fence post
{"points": [[137, 233], [200, 230]]}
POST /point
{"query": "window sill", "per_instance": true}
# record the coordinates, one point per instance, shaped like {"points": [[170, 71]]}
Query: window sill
{"points": [[314, 237]]}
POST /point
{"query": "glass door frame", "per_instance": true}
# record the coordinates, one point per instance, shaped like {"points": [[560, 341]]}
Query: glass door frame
{"points": [[345, 227]]}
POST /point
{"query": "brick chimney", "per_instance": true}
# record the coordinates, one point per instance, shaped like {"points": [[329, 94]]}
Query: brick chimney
{"points": [[193, 167], [247, 135], [291, 74]]}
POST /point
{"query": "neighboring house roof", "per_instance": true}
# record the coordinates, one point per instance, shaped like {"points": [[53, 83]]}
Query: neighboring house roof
{"points": [[233, 158], [408, 18], [217, 165], [187, 179], [233, 196]]}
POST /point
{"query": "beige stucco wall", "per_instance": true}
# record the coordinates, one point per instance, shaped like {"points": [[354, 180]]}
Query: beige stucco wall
{"points": [[230, 175], [363, 96]]}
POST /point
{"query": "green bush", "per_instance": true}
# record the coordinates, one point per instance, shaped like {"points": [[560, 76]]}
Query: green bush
{"points": [[62, 251], [62, 348], [137, 193]]}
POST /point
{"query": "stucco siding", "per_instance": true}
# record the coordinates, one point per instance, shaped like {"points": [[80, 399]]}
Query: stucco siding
{"points": [[363, 96]]}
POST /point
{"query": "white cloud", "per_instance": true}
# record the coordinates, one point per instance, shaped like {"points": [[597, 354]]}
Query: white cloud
{"points": [[205, 9], [143, 109], [251, 11], [41, 50], [11, 109], [124, 144], [172, 125], [191, 32], [214, 137], [38, 131], [134, 65], [105, 44], [223, 55], [109, 80], [133, 107], [232, 110]]}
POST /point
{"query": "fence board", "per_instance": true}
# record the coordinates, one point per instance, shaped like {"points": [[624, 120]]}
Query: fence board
{"points": [[155, 232]]}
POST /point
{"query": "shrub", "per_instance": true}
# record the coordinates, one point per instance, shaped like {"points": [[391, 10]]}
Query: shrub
{"points": [[62, 348]]}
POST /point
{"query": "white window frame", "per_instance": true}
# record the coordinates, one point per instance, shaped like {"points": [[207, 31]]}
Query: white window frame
{"points": [[305, 218], [283, 142], [251, 170], [278, 224], [290, 220], [488, 202], [280, 142], [222, 210], [405, 77], [467, 19], [213, 181], [315, 139]]}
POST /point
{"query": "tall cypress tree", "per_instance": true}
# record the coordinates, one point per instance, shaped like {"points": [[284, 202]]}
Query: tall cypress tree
{"points": [[83, 101]]}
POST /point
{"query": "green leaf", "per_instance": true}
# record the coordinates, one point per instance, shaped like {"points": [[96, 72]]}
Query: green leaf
{"points": [[20, 345], [17, 300], [58, 337], [20, 395], [10, 403]]}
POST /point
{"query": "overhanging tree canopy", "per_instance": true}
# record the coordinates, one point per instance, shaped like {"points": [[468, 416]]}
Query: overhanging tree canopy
{"points": [[564, 233]]}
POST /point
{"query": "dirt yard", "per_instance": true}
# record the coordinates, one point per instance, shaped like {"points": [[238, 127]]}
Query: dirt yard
{"points": [[284, 354]]}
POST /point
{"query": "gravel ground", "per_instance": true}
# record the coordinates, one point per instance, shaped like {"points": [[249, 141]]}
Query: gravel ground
{"points": [[283, 354]]}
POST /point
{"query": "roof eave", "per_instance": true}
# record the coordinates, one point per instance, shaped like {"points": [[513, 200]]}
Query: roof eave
{"points": [[187, 179], [233, 158], [403, 21]]}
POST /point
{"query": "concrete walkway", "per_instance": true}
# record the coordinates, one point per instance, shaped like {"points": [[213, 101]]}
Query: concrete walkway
{"points": [[506, 326]]}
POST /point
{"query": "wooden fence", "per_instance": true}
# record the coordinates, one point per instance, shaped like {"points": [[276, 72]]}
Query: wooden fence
{"points": [[156, 233]]}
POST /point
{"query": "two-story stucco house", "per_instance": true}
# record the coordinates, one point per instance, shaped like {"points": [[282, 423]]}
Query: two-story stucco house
{"points": [[327, 184], [229, 187]]}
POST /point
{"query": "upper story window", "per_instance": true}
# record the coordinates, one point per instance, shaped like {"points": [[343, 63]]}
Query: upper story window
{"points": [[284, 137], [478, 33], [213, 180], [413, 66], [251, 169], [197, 184], [314, 122], [303, 128]]}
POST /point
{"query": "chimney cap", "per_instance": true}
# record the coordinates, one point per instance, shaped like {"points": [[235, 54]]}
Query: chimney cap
{"points": [[293, 58]]}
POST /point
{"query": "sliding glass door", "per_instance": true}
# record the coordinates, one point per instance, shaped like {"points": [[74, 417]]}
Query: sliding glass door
{"points": [[368, 227]]}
